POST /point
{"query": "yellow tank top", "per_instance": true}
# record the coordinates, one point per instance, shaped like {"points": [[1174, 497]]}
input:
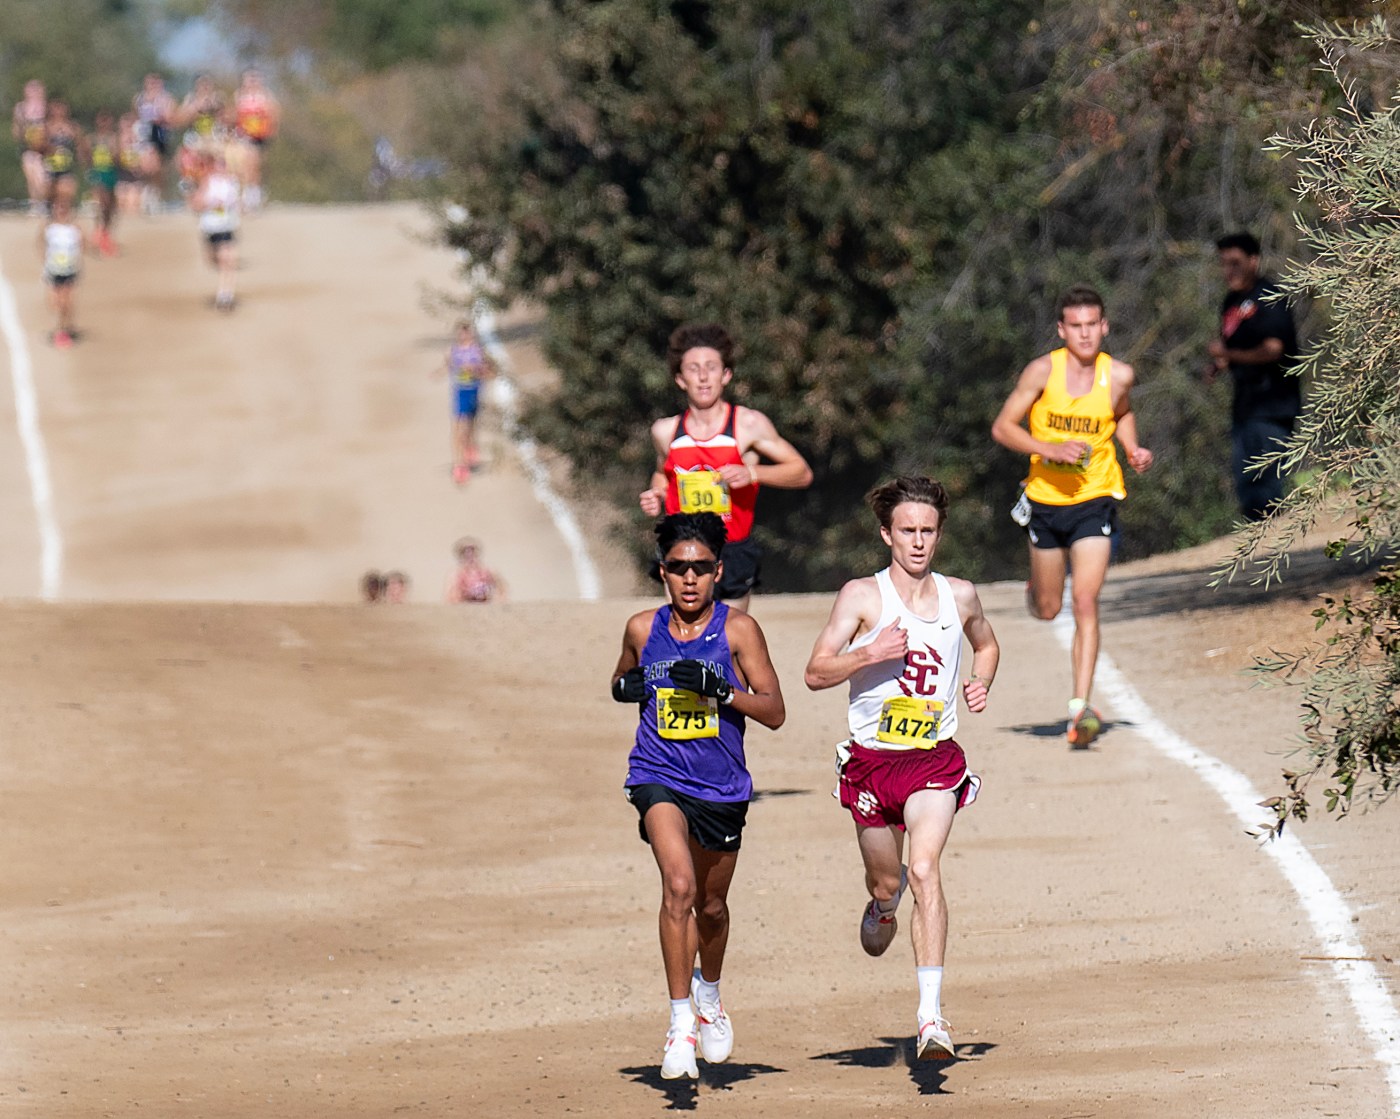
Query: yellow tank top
{"points": [[1057, 417]]}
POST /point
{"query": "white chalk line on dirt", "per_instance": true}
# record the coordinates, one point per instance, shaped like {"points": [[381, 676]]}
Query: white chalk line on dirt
{"points": [[36, 459], [585, 572], [1328, 912]]}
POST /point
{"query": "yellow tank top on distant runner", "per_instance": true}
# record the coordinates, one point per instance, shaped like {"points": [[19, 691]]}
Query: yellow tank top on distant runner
{"points": [[1057, 417]]}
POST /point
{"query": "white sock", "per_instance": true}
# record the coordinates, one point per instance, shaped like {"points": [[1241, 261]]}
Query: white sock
{"points": [[681, 1014], [705, 991], [930, 989], [1076, 706]]}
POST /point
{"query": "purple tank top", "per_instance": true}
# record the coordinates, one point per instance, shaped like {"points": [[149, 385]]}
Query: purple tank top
{"points": [[466, 363], [710, 768]]}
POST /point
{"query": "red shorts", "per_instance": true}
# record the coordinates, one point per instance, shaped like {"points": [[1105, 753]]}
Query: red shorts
{"points": [[876, 783]]}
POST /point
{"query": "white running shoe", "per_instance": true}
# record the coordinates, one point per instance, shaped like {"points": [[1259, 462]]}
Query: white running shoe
{"points": [[934, 1042], [878, 926], [715, 1029], [679, 1057]]}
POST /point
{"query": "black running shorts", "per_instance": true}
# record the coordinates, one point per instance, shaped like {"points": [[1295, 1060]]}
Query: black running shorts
{"points": [[1059, 526], [714, 824], [742, 562]]}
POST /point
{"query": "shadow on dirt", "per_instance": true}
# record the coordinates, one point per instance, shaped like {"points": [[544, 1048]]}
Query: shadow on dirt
{"points": [[1057, 728], [773, 794], [928, 1076], [1308, 574], [683, 1095]]}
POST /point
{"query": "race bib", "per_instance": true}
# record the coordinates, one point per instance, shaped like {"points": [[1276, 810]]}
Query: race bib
{"points": [[60, 261], [703, 491], [683, 714], [909, 722], [1078, 466]]}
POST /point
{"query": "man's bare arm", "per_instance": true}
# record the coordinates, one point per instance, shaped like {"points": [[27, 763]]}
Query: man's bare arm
{"points": [[856, 609], [784, 468]]}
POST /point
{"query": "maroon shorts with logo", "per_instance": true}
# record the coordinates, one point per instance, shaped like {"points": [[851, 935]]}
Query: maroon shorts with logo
{"points": [[876, 783]]}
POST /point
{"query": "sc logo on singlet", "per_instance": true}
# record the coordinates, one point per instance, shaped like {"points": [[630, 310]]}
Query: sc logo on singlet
{"points": [[921, 669]]}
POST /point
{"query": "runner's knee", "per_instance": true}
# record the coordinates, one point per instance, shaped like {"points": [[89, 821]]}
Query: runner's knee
{"points": [[1042, 607], [678, 893], [925, 879], [713, 913], [882, 886], [1085, 605]]}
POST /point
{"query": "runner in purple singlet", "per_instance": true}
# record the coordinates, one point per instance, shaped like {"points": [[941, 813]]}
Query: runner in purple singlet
{"points": [[696, 670]]}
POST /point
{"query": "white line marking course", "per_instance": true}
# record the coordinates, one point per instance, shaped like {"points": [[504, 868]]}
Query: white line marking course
{"points": [[36, 460], [586, 574], [1327, 910]]}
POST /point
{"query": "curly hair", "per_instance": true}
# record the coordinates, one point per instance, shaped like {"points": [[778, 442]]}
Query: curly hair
{"points": [[688, 337]]}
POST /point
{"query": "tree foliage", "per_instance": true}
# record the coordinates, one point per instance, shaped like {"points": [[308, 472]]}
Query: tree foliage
{"points": [[883, 201], [369, 34], [1349, 436]]}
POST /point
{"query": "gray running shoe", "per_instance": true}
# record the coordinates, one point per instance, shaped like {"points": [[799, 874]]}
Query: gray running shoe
{"points": [[878, 926]]}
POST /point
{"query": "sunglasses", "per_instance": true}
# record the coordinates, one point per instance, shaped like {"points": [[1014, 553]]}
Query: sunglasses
{"points": [[681, 567]]}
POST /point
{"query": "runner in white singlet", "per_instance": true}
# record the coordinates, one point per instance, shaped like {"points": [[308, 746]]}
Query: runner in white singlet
{"points": [[896, 638]]}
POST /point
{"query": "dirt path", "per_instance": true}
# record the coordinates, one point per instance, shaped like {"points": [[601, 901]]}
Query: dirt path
{"points": [[273, 454], [282, 859]]}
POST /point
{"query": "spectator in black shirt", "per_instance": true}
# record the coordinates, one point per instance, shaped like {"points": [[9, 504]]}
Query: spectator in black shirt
{"points": [[1258, 344]]}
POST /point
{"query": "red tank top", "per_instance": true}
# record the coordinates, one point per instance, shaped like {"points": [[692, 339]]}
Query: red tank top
{"points": [[693, 484]]}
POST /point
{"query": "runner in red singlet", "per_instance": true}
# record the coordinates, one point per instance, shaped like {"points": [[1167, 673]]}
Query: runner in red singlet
{"points": [[472, 580], [257, 117], [714, 456]]}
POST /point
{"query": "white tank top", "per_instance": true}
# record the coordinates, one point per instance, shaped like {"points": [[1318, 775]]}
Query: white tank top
{"points": [[893, 705], [63, 249], [221, 203]]}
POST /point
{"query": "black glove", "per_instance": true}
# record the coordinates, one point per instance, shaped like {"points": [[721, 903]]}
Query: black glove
{"points": [[700, 678], [630, 687]]}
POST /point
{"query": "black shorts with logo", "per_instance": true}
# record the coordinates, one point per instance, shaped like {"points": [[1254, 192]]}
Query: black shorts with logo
{"points": [[1059, 526], [714, 824]]}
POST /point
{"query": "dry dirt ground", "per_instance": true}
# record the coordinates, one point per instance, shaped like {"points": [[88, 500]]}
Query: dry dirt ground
{"points": [[268, 852]]}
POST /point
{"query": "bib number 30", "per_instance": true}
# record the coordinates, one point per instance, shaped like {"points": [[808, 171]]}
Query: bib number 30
{"points": [[703, 491]]}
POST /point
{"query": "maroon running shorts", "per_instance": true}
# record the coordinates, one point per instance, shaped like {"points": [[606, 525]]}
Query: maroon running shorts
{"points": [[876, 783]]}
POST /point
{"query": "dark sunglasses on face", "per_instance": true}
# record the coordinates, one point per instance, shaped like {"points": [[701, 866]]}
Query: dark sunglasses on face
{"points": [[700, 567]]}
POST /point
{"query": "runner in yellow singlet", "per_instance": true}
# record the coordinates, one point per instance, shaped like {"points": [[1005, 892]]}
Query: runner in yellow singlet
{"points": [[65, 150], [1074, 402], [129, 178], [104, 149], [28, 126], [202, 117]]}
